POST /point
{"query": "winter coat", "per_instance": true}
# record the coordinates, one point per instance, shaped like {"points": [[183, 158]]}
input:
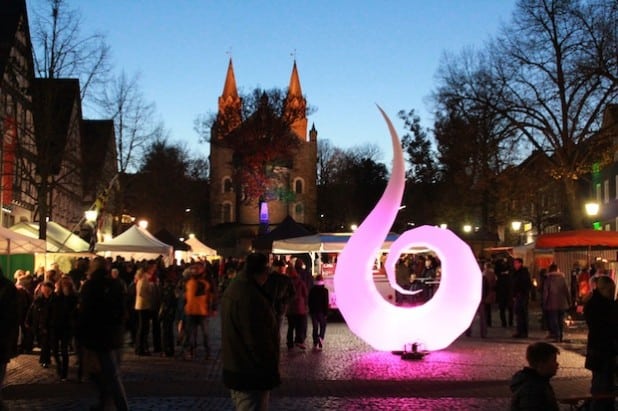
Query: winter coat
{"points": [[298, 304], [64, 312], [522, 283], [249, 336], [532, 392], [40, 314], [9, 321], [556, 292], [101, 313], [147, 294], [490, 277], [599, 313], [197, 296], [318, 299], [281, 290]]}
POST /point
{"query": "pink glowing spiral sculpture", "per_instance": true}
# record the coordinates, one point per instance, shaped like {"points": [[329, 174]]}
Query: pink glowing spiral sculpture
{"points": [[435, 324]]}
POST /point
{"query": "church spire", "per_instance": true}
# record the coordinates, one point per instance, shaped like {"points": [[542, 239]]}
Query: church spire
{"points": [[230, 105], [294, 89], [296, 105], [229, 89]]}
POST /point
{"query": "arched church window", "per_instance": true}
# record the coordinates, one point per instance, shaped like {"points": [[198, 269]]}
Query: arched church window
{"points": [[298, 186], [227, 185]]}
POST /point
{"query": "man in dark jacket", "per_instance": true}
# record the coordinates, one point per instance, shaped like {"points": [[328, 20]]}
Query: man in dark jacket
{"points": [[318, 310], [600, 315], [280, 289], [530, 386], [100, 330], [249, 337], [9, 326], [522, 284]]}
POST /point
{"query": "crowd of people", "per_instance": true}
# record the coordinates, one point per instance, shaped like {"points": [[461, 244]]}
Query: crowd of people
{"points": [[159, 310], [101, 305]]}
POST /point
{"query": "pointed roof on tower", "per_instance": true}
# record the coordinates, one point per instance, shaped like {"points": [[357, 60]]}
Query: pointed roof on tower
{"points": [[294, 89], [229, 89]]}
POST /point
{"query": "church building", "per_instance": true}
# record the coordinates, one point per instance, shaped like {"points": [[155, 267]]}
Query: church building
{"points": [[254, 183]]}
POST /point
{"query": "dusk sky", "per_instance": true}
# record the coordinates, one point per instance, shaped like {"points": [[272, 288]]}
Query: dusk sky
{"points": [[350, 54]]}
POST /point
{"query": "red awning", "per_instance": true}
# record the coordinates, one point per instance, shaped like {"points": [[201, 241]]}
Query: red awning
{"points": [[578, 238]]}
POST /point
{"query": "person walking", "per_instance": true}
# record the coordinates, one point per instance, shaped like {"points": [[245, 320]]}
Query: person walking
{"points": [[146, 303], [318, 310], [522, 284], [600, 315], [9, 328], [297, 312], [197, 302], [279, 287], [39, 320], [249, 337], [100, 330], [556, 301], [489, 298], [64, 315], [530, 387], [504, 292]]}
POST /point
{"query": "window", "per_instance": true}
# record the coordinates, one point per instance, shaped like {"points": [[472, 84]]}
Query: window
{"points": [[606, 191], [226, 212], [597, 189], [298, 186], [616, 186], [227, 185], [299, 213]]}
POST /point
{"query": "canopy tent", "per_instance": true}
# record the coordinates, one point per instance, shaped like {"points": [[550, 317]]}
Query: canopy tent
{"points": [[288, 228], [578, 238], [168, 238], [324, 243], [136, 243], [59, 239], [199, 248], [17, 251]]}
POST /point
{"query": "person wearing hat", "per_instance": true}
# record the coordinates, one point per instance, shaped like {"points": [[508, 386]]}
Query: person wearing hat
{"points": [[318, 310]]}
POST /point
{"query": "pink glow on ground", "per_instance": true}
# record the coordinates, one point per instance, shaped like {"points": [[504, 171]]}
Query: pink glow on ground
{"points": [[435, 324]]}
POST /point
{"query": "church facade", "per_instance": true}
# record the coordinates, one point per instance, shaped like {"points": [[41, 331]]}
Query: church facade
{"points": [[287, 186]]}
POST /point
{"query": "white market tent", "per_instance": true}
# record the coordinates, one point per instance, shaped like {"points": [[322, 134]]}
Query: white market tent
{"points": [[136, 243], [12, 242], [59, 239], [321, 243], [200, 249]]}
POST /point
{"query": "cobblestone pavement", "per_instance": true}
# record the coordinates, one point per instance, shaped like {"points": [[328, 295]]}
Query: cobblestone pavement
{"points": [[471, 374]]}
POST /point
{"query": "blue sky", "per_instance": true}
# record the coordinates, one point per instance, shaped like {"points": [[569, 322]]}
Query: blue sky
{"points": [[350, 54]]}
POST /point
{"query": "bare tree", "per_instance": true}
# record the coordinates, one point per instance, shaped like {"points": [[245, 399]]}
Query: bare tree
{"points": [[61, 50], [535, 71], [134, 120]]}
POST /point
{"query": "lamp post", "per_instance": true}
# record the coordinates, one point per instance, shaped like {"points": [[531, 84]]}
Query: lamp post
{"points": [[143, 224]]}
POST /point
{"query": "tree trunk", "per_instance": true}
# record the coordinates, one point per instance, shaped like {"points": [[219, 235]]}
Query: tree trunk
{"points": [[574, 216]]}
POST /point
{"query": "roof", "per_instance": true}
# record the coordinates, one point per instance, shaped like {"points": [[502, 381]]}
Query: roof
{"points": [[59, 239], [288, 228], [10, 13], [324, 242], [136, 240], [578, 238], [53, 104], [98, 147]]}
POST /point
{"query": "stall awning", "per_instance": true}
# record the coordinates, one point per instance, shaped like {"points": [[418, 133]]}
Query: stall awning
{"points": [[578, 238]]}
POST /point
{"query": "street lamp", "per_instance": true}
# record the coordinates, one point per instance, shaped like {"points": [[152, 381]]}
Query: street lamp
{"points": [[592, 208], [467, 228], [516, 226], [143, 224]]}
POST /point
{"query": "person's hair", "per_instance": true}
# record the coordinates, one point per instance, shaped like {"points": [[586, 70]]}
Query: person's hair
{"points": [[540, 352], [256, 264], [605, 285], [519, 260], [278, 263], [553, 268]]}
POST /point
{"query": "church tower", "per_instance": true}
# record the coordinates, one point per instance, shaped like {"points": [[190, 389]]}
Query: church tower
{"points": [[297, 180]]}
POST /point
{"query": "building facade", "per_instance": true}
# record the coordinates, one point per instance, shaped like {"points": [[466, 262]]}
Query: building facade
{"points": [[289, 190]]}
